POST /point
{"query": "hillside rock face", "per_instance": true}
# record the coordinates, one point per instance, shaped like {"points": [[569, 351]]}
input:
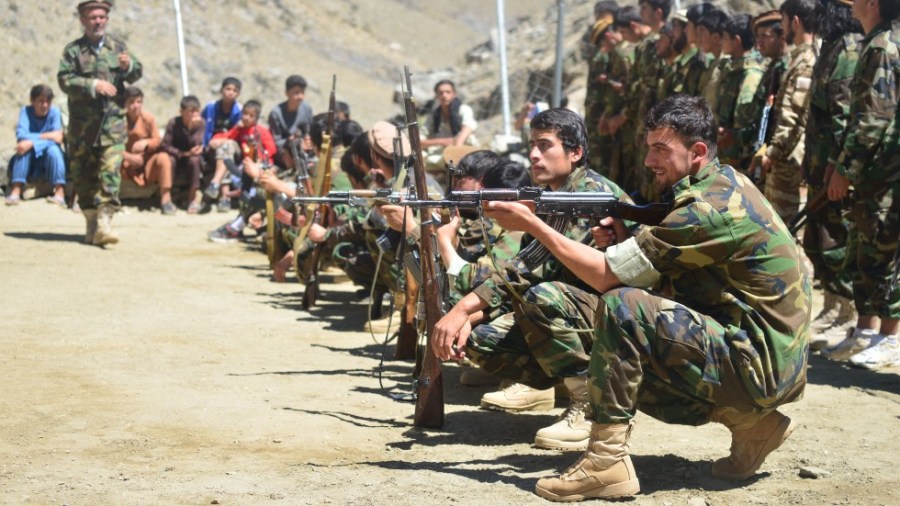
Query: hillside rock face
{"points": [[364, 42]]}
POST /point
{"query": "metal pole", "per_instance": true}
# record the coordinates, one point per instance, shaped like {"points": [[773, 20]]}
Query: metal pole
{"points": [[180, 34], [557, 75], [504, 73]]}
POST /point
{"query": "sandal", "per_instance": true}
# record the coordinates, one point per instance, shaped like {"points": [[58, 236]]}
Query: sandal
{"points": [[194, 207], [12, 200], [168, 209], [61, 202]]}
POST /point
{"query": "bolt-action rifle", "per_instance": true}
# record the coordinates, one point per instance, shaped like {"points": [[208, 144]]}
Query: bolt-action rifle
{"points": [[430, 384], [323, 175]]}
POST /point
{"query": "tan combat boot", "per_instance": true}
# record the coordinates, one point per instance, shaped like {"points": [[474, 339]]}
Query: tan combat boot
{"points": [[753, 437], [105, 234], [604, 470], [90, 218], [573, 430], [518, 397]]}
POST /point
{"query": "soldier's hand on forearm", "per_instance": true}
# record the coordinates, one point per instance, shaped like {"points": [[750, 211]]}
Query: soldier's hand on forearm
{"points": [[838, 186], [451, 334], [393, 215], [511, 215], [610, 231], [317, 233], [105, 88]]}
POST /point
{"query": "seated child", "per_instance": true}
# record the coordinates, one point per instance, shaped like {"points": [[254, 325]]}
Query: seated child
{"points": [[183, 142], [143, 162], [39, 136]]}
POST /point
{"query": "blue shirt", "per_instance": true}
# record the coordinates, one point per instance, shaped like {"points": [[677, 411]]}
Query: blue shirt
{"points": [[30, 127]]}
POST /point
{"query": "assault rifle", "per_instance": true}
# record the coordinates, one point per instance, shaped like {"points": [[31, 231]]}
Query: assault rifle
{"points": [[556, 208], [430, 383], [323, 174], [360, 198], [765, 124]]}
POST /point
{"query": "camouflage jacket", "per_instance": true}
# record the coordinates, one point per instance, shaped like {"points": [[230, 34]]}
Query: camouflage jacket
{"points": [[94, 119], [736, 91], [620, 63], [829, 105], [789, 139], [515, 276], [644, 79], [595, 97], [684, 74], [724, 252], [771, 81], [709, 82], [504, 246], [871, 149]]}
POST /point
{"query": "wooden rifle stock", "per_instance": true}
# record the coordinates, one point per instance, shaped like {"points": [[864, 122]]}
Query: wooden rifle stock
{"points": [[321, 217], [430, 385]]}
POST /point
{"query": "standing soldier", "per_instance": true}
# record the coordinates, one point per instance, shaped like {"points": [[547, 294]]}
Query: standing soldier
{"points": [[698, 60], [709, 37], [598, 88], [784, 155], [827, 230], [870, 161], [93, 72]]}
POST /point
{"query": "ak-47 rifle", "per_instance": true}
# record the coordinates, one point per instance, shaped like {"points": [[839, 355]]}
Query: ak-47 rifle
{"points": [[430, 384], [360, 198], [765, 124], [323, 174], [812, 206], [556, 208]]}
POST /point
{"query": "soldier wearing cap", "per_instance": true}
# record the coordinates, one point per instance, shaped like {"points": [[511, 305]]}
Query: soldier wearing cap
{"points": [[93, 72]]}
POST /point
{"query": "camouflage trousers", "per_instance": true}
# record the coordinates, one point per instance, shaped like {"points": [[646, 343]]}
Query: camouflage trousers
{"points": [[622, 163], [876, 225], [95, 173], [659, 356], [600, 153], [783, 189], [828, 245], [548, 336]]}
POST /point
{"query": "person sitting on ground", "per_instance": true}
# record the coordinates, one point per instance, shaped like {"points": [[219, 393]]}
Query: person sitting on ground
{"points": [[183, 142], [289, 121], [728, 342], [143, 162], [450, 123], [256, 147], [39, 137], [220, 117]]}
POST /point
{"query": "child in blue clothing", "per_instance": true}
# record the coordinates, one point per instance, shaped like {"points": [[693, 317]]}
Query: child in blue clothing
{"points": [[39, 137]]}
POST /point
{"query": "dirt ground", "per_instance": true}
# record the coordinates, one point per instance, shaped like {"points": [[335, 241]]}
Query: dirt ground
{"points": [[171, 370]]}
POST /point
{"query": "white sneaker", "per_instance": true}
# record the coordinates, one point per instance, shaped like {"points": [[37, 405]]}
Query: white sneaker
{"points": [[856, 341], [884, 352]]}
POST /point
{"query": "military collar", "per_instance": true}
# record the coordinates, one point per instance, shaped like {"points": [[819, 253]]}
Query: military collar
{"points": [[569, 184], [880, 28], [685, 183]]}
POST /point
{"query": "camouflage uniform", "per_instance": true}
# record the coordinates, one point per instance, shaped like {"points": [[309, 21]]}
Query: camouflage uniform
{"points": [[736, 90], [789, 140], [693, 72], [684, 74], [733, 328], [594, 104], [645, 77], [709, 82], [826, 233], [748, 134], [481, 262], [548, 334], [621, 156], [97, 129], [870, 159]]}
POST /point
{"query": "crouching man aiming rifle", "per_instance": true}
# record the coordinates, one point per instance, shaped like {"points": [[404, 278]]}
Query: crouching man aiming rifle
{"points": [[727, 343]]}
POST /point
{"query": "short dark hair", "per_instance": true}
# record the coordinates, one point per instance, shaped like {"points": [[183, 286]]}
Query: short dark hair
{"points": [[342, 107], [477, 163], [775, 25], [443, 82], [347, 131], [41, 91], [627, 15], [360, 147], [317, 128], [888, 10], [293, 82], [190, 102], [605, 6], [568, 126], [664, 5], [507, 174], [805, 10], [741, 25], [133, 92], [834, 20], [689, 117], [695, 12], [350, 168], [234, 81], [254, 105], [713, 21]]}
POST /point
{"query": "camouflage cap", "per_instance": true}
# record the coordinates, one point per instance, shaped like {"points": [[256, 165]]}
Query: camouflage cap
{"points": [[381, 138], [766, 18], [94, 4]]}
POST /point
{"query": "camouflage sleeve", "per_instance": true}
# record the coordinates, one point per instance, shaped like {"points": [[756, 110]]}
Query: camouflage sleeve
{"points": [[135, 71], [477, 272], [840, 93], [69, 81], [793, 113], [872, 109], [743, 117], [691, 237]]}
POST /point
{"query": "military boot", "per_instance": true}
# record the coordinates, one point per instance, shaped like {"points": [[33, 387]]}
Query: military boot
{"points": [[518, 397], [573, 429], [604, 470], [105, 234], [90, 218], [753, 436]]}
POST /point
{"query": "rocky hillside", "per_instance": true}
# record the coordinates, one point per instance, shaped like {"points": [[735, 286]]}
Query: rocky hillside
{"points": [[365, 42]]}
